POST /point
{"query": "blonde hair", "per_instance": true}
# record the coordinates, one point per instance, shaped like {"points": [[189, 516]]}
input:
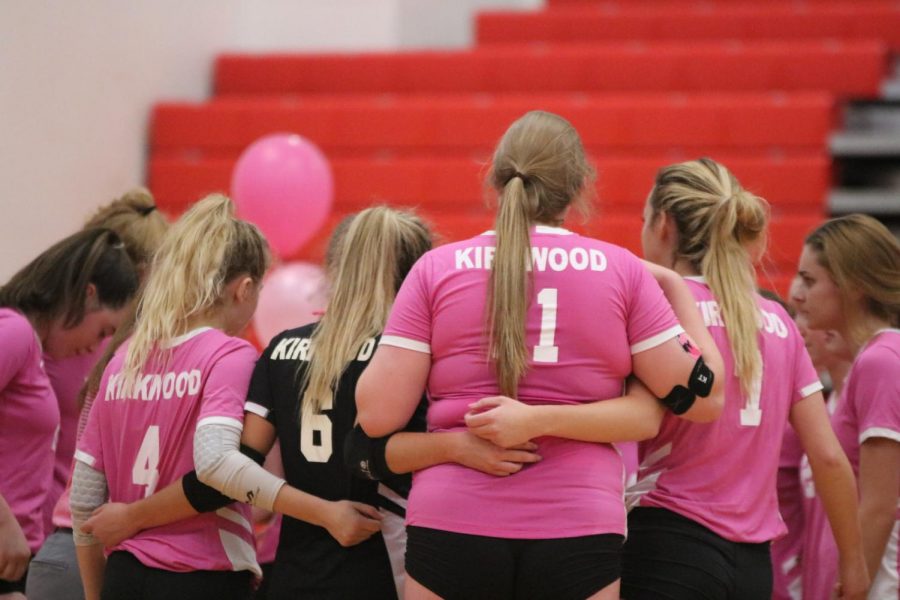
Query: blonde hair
{"points": [[539, 169], [135, 219], [204, 250], [717, 220], [372, 255], [861, 256]]}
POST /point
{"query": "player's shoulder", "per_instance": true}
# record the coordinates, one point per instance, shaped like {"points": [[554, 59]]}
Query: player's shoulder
{"points": [[448, 253], [303, 331], [286, 344], [223, 344], [615, 257], [16, 330], [881, 356]]}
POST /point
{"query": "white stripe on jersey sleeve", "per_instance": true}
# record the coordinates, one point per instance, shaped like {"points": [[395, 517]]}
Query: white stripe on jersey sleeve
{"points": [[402, 342], [227, 421], [85, 458], [811, 389], [656, 340], [879, 432], [256, 409]]}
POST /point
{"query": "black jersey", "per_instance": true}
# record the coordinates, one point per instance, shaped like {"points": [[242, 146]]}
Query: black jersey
{"points": [[309, 562]]}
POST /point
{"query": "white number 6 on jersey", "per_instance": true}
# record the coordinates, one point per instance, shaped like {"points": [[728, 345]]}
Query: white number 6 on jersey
{"points": [[313, 452]]}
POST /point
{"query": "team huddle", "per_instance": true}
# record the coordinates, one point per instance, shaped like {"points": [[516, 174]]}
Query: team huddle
{"points": [[462, 421]]}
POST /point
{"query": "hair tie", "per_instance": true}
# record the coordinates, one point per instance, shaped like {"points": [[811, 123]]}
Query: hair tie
{"points": [[146, 210], [521, 176]]}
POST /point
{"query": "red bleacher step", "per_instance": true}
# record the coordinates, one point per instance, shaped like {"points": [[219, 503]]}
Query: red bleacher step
{"points": [[687, 22], [454, 184], [470, 125], [845, 68], [619, 5]]}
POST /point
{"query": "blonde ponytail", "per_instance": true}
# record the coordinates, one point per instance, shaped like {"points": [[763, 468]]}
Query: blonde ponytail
{"points": [[508, 299], [729, 271], [204, 250], [717, 223], [539, 169], [373, 253]]}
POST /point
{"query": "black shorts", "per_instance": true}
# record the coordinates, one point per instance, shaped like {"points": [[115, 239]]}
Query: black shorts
{"points": [[668, 556], [126, 578], [472, 567]]}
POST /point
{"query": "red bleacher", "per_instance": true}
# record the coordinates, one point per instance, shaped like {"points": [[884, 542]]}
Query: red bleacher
{"points": [[753, 22], [842, 67], [455, 185], [472, 124], [753, 84]]}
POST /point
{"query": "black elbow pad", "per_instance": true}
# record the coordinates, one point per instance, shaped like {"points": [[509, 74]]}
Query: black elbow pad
{"points": [[700, 383], [206, 499], [365, 456]]}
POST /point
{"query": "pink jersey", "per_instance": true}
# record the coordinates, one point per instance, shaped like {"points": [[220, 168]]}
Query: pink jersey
{"points": [[786, 551], [67, 376], [594, 305], [700, 470], [29, 418], [869, 408], [142, 436]]}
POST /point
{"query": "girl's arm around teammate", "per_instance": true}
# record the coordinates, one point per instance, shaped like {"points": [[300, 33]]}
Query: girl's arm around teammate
{"points": [[685, 306], [835, 485], [414, 449], [405, 372], [510, 423], [348, 522]]}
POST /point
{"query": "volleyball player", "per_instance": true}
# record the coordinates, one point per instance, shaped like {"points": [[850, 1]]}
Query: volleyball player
{"points": [[537, 313], [706, 496], [61, 304], [850, 282], [53, 573], [162, 398]]}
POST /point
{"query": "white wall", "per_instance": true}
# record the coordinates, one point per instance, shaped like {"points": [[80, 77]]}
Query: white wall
{"points": [[77, 80]]}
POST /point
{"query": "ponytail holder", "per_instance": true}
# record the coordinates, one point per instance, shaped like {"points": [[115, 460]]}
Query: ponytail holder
{"points": [[146, 210], [521, 176]]}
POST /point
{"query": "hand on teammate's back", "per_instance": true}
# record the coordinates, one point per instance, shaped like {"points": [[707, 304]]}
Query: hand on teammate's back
{"points": [[352, 522], [487, 457]]}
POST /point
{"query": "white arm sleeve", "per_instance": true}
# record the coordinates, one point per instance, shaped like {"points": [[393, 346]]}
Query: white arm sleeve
{"points": [[89, 491], [220, 464]]}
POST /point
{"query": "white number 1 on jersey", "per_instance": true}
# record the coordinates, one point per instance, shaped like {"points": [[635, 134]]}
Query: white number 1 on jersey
{"points": [[146, 466], [545, 351], [751, 414]]}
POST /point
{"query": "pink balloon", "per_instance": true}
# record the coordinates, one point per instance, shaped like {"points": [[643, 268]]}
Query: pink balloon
{"points": [[293, 294], [283, 183]]}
